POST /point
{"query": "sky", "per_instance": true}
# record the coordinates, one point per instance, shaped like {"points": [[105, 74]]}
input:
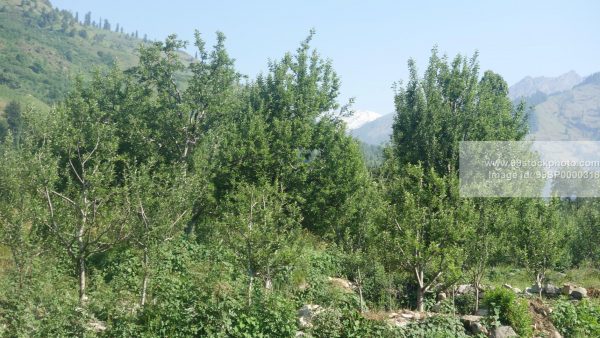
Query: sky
{"points": [[370, 42]]}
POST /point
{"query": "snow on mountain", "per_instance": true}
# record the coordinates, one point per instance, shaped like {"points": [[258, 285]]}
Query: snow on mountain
{"points": [[359, 118]]}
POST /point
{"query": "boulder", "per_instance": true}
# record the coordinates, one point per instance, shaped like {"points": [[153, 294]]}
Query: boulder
{"points": [[441, 296], [552, 290], [555, 334], [567, 289], [534, 289], [307, 313], [464, 288], [515, 290], [341, 283], [503, 332], [579, 293], [473, 324]]}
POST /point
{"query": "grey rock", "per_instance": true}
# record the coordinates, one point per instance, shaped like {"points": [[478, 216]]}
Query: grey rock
{"points": [[503, 332], [552, 290], [579, 293]]}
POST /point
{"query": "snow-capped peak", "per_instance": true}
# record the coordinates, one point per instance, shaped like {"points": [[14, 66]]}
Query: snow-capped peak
{"points": [[359, 118]]}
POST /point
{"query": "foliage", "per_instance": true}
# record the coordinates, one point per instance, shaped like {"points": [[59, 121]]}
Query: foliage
{"points": [[510, 310], [576, 320]]}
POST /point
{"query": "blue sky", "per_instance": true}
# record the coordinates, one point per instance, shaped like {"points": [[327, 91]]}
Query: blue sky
{"points": [[370, 42]]}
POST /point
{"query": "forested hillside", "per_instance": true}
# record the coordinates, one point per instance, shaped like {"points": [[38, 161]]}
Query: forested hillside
{"points": [[43, 49], [147, 204]]}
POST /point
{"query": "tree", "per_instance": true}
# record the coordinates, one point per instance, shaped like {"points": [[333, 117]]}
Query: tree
{"points": [[433, 114], [87, 21], [86, 205], [261, 225], [426, 227], [450, 104], [117, 28], [159, 196], [106, 25], [14, 118], [538, 239]]}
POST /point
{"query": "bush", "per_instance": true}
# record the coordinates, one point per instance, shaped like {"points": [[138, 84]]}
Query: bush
{"points": [[435, 327], [510, 310], [581, 320], [465, 303]]}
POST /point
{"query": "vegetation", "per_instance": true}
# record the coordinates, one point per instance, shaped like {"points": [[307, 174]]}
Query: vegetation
{"points": [[139, 205]]}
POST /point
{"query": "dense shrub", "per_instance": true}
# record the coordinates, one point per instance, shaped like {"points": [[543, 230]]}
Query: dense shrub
{"points": [[510, 310], [576, 320]]}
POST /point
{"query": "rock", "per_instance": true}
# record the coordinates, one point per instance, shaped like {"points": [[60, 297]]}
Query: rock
{"points": [[555, 334], [473, 324], [464, 288], [441, 296], [552, 290], [341, 283], [515, 290], [567, 289], [503, 332], [482, 312], [579, 293], [300, 334], [97, 326], [307, 313]]}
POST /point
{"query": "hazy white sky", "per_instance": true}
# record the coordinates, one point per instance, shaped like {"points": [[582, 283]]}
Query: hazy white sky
{"points": [[370, 42]]}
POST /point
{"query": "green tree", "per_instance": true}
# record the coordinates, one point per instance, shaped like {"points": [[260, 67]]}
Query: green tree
{"points": [[14, 118], [448, 105], [426, 227], [86, 205], [261, 226], [538, 240]]}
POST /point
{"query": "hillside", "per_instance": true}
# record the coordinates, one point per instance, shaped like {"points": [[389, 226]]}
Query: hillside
{"points": [[569, 115], [43, 48]]}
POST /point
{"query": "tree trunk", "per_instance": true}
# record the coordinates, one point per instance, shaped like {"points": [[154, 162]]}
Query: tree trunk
{"points": [[145, 278], [360, 293], [420, 299], [250, 286], [82, 268]]}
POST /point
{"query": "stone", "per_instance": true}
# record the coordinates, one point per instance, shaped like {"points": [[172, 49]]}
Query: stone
{"points": [[567, 289], [482, 312], [97, 326], [441, 296], [341, 283], [307, 313], [473, 324], [503, 332], [555, 334], [552, 290], [579, 293], [464, 288]]}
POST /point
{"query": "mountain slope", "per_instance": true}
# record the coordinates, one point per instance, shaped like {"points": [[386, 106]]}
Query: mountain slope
{"points": [[569, 115], [42, 49], [375, 132]]}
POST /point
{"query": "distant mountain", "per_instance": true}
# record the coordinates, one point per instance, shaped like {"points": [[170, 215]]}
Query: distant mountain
{"points": [[359, 118], [546, 85], [570, 115], [375, 132]]}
